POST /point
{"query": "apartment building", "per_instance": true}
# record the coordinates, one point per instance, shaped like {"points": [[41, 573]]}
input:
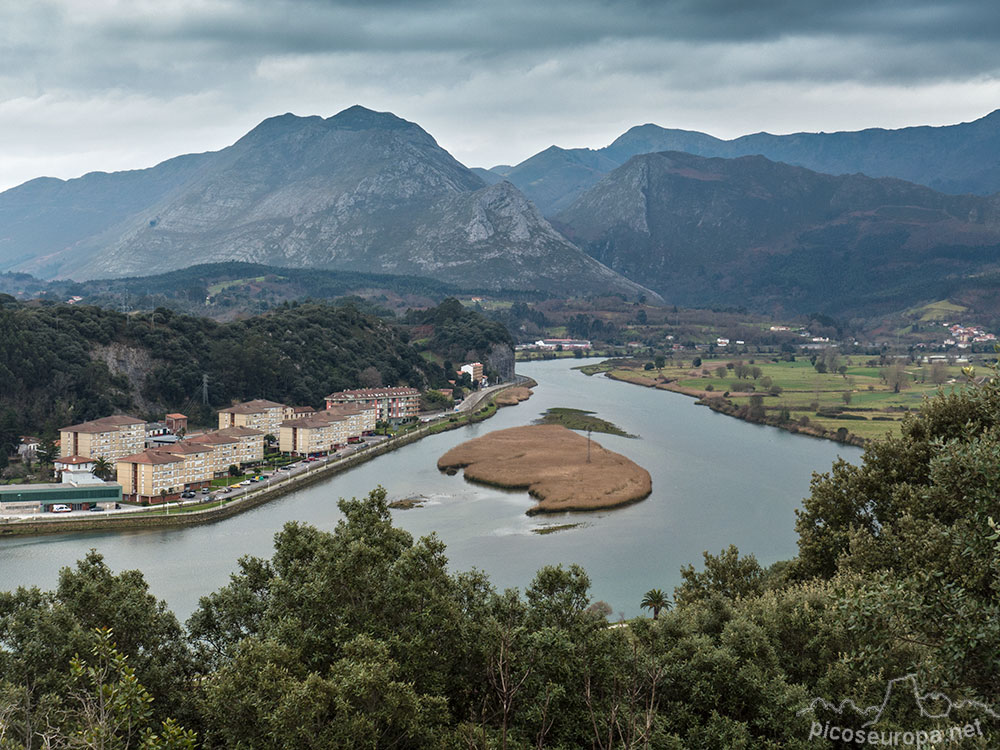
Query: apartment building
{"points": [[109, 437], [319, 434], [392, 404], [197, 468], [259, 414], [297, 412], [224, 451], [151, 476], [232, 446], [361, 417]]}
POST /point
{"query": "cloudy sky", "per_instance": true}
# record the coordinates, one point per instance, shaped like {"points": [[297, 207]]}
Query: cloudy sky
{"points": [[117, 84]]}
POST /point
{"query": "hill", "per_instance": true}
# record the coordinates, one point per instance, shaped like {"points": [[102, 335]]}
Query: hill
{"points": [[952, 159], [360, 191], [770, 236], [62, 364], [232, 289]]}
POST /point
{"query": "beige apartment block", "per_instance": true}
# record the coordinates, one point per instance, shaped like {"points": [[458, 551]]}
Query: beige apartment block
{"points": [[109, 437], [197, 467], [361, 417], [151, 476], [297, 412], [249, 443], [321, 433], [392, 404], [224, 451], [259, 414]]}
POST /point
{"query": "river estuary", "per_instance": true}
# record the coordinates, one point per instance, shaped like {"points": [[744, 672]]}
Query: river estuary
{"points": [[716, 481]]}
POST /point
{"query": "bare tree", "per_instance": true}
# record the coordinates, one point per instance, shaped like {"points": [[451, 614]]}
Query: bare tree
{"points": [[370, 378]]}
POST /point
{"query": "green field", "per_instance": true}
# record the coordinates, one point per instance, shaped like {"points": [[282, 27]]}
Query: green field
{"points": [[875, 406]]}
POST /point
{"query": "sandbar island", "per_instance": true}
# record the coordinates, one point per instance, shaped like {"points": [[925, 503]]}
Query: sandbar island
{"points": [[550, 461]]}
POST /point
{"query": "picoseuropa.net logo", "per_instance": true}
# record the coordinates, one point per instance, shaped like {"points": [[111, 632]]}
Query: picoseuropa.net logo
{"points": [[948, 721]]}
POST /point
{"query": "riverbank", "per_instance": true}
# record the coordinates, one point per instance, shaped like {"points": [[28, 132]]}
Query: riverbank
{"points": [[564, 471], [188, 515], [851, 404]]}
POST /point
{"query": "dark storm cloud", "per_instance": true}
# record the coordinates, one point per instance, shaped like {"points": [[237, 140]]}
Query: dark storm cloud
{"points": [[117, 83]]}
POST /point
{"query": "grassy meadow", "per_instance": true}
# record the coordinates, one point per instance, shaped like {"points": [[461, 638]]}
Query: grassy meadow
{"points": [[872, 406]]}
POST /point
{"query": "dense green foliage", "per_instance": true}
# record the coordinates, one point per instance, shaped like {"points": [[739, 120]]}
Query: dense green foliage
{"points": [[363, 638], [54, 361], [460, 334]]}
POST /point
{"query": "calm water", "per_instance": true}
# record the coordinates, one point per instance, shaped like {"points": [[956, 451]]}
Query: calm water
{"points": [[716, 481]]}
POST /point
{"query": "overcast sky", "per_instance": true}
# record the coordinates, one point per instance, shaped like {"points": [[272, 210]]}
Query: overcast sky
{"points": [[118, 84]]}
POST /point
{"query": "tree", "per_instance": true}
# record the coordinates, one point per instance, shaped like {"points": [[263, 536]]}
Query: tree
{"points": [[234, 470], [109, 709], [270, 440], [103, 468], [846, 397], [370, 377], [655, 600], [725, 574], [696, 362], [47, 452], [939, 373]]}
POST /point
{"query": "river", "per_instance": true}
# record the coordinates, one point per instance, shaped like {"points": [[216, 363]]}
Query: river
{"points": [[716, 481]]}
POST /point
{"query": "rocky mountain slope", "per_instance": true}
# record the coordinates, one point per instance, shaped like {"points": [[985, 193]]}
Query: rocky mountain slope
{"points": [[963, 158], [752, 232], [362, 191]]}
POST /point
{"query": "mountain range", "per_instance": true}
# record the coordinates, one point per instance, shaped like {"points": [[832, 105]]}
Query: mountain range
{"points": [[711, 231], [963, 158], [359, 191], [830, 222]]}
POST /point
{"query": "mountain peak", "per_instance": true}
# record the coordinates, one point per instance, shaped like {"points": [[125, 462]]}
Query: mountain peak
{"points": [[362, 118]]}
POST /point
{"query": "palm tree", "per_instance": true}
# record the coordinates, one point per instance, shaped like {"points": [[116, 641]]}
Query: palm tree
{"points": [[103, 468], [655, 600]]}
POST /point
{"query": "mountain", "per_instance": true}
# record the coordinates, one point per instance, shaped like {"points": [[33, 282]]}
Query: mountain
{"points": [[757, 233], [487, 176], [957, 159], [359, 191], [555, 176]]}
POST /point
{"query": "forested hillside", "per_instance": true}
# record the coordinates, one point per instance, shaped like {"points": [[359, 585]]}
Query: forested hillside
{"points": [[457, 335], [61, 364], [364, 638]]}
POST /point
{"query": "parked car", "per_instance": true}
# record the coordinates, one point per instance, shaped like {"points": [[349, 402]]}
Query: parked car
{"points": [[205, 490], [95, 509], [59, 508]]}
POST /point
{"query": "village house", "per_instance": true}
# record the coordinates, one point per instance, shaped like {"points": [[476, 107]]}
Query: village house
{"points": [[76, 470], [176, 423]]}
